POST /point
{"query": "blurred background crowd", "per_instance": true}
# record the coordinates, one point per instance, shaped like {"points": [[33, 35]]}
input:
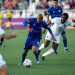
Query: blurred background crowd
{"points": [[40, 4], [29, 8]]}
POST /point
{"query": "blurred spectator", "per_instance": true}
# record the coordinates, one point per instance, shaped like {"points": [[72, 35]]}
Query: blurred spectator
{"points": [[8, 4], [60, 3], [0, 1], [15, 4], [46, 5], [71, 3], [25, 4], [42, 4], [20, 4], [3, 1]]}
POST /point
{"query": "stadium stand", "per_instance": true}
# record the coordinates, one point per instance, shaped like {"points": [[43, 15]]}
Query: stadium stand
{"points": [[22, 9]]}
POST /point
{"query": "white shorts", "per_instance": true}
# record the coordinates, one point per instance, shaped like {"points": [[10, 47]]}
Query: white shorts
{"points": [[49, 37], [2, 62], [1, 31]]}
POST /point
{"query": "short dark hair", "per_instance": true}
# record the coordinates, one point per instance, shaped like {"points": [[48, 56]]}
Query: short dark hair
{"points": [[55, 0], [40, 15], [66, 15], [45, 13]]}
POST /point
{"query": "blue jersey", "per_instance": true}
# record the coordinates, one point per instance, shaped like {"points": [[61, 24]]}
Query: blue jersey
{"points": [[37, 28], [35, 36], [55, 12]]}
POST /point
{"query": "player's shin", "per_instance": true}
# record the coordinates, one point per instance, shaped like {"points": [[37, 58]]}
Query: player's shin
{"points": [[34, 48], [50, 51], [40, 48], [55, 46], [65, 45], [24, 56], [65, 42]]}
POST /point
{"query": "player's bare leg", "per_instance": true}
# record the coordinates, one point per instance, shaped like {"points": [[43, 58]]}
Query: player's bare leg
{"points": [[55, 46], [43, 45], [50, 51]]}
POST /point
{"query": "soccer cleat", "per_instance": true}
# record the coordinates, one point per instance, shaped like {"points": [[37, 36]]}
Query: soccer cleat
{"points": [[66, 50], [43, 58], [21, 63], [2, 45], [38, 60], [55, 52]]}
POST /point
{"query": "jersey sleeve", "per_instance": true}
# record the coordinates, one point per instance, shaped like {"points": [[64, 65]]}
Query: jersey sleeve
{"points": [[69, 23], [27, 22], [49, 11], [45, 25]]}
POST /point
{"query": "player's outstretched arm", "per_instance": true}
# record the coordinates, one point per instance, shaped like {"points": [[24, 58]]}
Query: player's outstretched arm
{"points": [[6, 36]]}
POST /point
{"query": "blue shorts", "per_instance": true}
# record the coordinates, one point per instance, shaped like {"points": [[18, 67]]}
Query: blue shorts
{"points": [[63, 33], [31, 42]]}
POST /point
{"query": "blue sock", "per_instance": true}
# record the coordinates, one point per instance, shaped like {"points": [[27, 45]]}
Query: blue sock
{"points": [[65, 42], [36, 55], [23, 57]]}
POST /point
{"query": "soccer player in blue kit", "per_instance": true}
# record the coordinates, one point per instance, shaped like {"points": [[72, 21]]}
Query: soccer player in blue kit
{"points": [[55, 10], [34, 27]]}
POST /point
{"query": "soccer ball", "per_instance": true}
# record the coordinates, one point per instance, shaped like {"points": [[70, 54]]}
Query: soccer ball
{"points": [[27, 63]]}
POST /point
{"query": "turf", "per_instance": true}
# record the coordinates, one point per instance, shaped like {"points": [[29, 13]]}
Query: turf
{"points": [[61, 64]]}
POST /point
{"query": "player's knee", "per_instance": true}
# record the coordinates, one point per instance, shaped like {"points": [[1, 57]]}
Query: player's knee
{"points": [[34, 51], [46, 43], [64, 38], [25, 51], [55, 45]]}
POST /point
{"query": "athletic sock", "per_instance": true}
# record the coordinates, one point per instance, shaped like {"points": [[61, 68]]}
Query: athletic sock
{"points": [[48, 52], [23, 57], [36, 55], [65, 43], [41, 47]]}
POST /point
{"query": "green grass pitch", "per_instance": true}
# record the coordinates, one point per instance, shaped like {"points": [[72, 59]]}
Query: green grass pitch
{"points": [[61, 64]]}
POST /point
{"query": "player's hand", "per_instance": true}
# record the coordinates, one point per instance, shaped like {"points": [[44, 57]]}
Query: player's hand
{"points": [[53, 38], [49, 22], [14, 35], [29, 29]]}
